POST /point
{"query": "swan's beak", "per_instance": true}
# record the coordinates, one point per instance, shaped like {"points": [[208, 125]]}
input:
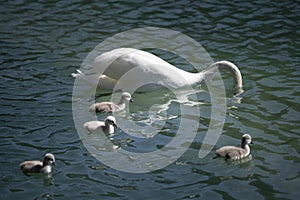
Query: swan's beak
{"points": [[131, 100], [251, 142], [238, 92], [115, 125]]}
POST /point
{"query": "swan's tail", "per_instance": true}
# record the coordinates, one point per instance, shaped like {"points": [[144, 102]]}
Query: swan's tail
{"points": [[92, 80], [102, 81], [237, 77], [78, 74]]}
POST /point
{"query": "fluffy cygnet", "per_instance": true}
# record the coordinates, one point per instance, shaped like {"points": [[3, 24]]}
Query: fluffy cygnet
{"points": [[109, 107], [108, 126], [235, 153], [36, 166]]}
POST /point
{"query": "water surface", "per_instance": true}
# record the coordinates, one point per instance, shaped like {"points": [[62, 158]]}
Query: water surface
{"points": [[43, 43]]}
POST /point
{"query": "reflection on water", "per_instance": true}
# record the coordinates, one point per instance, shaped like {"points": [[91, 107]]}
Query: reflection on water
{"points": [[43, 42], [244, 161], [46, 179]]}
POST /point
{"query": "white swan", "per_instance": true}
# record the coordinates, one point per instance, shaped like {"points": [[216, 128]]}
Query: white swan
{"points": [[129, 67]]}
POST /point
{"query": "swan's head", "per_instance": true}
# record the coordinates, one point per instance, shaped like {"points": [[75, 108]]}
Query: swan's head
{"points": [[238, 82], [247, 139], [238, 91], [49, 159], [111, 120], [126, 96]]}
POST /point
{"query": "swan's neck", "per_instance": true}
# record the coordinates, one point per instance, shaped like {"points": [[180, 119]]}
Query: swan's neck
{"points": [[46, 169], [122, 101], [45, 162], [193, 78], [107, 128], [237, 77], [245, 146], [247, 149]]}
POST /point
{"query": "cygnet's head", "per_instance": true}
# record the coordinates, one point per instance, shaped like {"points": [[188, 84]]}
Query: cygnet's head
{"points": [[127, 96], [111, 120], [246, 139], [49, 159]]}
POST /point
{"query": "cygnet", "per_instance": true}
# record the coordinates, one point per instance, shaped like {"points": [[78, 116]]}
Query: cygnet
{"points": [[36, 166], [235, 153], [109, 107], [108, 126]]}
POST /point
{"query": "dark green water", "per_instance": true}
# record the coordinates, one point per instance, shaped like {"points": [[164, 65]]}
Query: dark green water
{"points": [[43, 43]]}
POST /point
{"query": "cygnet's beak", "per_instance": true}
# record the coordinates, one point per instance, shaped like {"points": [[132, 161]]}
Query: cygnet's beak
{"points": [[115, 125]]}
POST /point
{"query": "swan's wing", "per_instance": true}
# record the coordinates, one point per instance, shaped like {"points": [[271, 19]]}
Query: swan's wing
{"points": [[102, 81], [115, 63], [90, 79], [104, 107], [31, 166], [93, 125], [106, 82], [119, 61], [236, 153], [133, 67], [233, 154]]}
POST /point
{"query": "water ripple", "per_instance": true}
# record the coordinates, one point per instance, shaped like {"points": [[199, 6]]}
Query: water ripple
{"points": [[42, 43]]}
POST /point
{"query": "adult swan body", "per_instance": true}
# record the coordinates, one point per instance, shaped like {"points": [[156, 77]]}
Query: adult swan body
{"points": [[125, 68]]}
